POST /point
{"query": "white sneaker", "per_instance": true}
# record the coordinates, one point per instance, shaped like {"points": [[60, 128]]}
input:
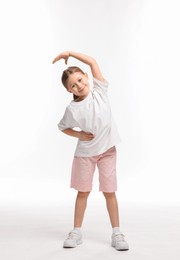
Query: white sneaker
{"points": [[119, 242], [74, 238]]}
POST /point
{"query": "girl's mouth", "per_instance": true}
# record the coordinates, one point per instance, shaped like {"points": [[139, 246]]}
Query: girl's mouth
{"points": [[82, 89]]}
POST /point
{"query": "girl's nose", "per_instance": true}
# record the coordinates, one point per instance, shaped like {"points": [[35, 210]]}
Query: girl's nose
{"points": [[79, 85]]}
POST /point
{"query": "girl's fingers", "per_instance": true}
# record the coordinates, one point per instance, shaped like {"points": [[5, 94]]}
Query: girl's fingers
{"points": [[90, 136], [86, 136], [56, 59]]}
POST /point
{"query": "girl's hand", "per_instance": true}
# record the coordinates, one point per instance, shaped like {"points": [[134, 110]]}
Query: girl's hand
{"points": [[63, 55], [83, 136]]}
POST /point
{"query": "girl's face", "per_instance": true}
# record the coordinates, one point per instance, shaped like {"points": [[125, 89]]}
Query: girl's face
{"points": [[78, 84]]}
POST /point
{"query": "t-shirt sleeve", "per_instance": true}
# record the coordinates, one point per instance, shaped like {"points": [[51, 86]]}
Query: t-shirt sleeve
{"points": [[67, 121], [100, 86]]}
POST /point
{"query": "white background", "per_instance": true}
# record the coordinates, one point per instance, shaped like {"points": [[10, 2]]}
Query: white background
{"points": [[136, 43], [137, 46]]}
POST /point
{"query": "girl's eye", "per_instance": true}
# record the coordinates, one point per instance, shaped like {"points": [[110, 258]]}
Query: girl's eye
{"points": [[80, 80], [72, 86]]}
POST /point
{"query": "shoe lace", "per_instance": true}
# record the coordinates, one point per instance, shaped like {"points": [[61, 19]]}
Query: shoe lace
{"points": [[72, 235], [119, 237]]}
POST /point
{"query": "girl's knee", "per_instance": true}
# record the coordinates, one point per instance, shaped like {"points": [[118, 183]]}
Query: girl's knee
{"points": [[83, 194], [109, 195]]}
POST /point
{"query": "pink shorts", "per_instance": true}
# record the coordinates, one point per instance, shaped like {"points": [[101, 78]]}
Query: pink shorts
{"points": [[83, 169]]}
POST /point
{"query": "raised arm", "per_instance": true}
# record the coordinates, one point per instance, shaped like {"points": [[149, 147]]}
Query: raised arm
{"points": [[95, 70]]}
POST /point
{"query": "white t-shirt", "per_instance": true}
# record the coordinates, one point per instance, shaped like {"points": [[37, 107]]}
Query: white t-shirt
{"points": [[92, 115]]}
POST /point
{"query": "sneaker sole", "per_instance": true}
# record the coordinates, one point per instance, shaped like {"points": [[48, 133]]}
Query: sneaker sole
{"points": [[125, 248], [66, 245]]}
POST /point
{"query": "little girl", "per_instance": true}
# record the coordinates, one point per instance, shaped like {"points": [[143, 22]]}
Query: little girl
{"points": [[90, 112]]}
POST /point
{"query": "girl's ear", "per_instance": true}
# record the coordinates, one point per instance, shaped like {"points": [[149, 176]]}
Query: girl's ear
{"points": [[86, 75]]}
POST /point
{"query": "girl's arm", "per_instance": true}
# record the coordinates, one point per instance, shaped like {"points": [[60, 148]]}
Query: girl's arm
{"points": [[83, 136], [96, 72]]}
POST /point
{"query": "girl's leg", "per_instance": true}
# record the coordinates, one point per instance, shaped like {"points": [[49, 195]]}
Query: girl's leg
{"points": [[75, 237], [118, 239], [112, 207], [80, 207]]}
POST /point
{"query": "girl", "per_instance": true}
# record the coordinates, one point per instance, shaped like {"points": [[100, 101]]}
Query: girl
{"points": [[90, 112]]}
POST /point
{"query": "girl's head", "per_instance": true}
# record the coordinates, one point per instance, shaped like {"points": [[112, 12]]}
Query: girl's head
{"points": [[76, 82]]}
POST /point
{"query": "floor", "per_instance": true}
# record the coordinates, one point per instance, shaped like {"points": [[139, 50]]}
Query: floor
{"points": [[38, 231]]}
